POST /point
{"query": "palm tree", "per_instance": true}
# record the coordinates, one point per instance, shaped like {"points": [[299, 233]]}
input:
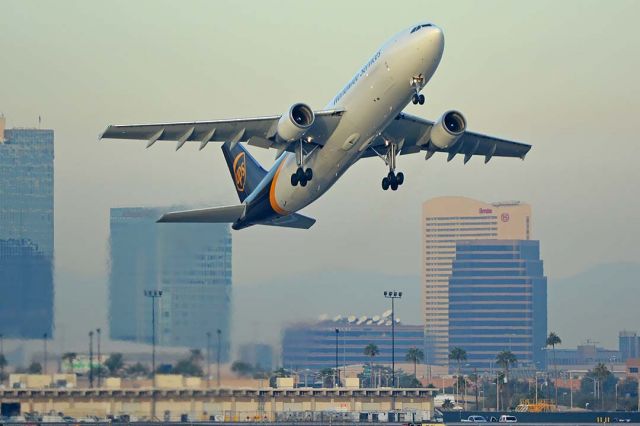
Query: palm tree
{"points": [[414, 355], [505, 359], [371, 350], [552, 341], [458, 354], [69, 357]]}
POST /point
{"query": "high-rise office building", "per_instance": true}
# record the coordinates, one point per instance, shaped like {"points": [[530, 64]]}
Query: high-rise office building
{"points": [[26, 232], [259, 355], [498, 301], [628, 345], [446, 220], [190, 263]]}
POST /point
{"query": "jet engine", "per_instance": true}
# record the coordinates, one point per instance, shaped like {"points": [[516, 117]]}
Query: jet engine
{"points": [[446, 131], [294, 123]]}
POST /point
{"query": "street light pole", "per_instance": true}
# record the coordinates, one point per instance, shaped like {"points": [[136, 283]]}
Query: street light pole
{"points": [[219, 332], [208, 359], [98, 331], [153, 295], [393, 295], [336, 382], [91, 359], [44, 341]]}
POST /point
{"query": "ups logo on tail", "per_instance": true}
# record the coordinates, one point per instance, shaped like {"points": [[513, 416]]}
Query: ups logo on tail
{"points": [[240, 171]]}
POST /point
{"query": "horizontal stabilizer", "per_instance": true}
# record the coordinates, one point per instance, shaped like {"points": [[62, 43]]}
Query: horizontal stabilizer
{"points": [[228, 214], [293, 220]]}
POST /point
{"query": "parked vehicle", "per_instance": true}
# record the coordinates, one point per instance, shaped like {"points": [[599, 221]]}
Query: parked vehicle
{"points": [[475, 419], [508, 419]]}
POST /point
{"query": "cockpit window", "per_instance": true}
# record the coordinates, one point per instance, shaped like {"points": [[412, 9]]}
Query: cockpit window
{"points": [[414, 29]]}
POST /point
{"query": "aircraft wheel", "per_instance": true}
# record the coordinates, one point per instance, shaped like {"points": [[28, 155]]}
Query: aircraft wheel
{"points": [[300, 174], [294, 179], [303, 181], [394, 185], [393, 181], [308, 174], [400, 178], [421, 99], [415, 99], [385, 183]]}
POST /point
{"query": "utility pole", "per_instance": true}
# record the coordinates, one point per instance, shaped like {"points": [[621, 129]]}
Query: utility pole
{"points": [[91, 359], [336, 376], [393, 295], [219, 332], [208, 359], [98, 331], [153, 295], [44, 365]]}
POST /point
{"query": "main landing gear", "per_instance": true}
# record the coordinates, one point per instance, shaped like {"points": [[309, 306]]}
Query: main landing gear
{"points": [[302, 175], [417, 98], [393, 180]]}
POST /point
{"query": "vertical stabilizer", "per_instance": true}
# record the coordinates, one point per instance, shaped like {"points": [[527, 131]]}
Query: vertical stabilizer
{"points": [[246, 172]]}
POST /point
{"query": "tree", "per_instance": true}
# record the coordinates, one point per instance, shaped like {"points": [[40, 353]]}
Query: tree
{"points": [[505, 359], [552, 341], [34, 368], [447, 404], [371, 350], [187, 367], [242, 369], [195, 356], [415, 355], [69, 357], [3, 363], [327, 376], [458, 354], [138, 369], [115, 363]]}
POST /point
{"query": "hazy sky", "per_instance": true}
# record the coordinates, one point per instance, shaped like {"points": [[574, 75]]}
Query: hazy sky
{"points": [[562, 76]]}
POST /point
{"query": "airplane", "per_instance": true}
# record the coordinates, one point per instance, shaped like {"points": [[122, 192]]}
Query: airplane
{"points": [[315, 148]]}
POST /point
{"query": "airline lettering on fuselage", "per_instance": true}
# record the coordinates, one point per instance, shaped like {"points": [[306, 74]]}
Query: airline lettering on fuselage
{"points": [[355, 79], [240, 171]]}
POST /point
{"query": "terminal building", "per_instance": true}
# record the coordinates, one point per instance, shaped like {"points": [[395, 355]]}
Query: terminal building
{"points": [[446, 220], [26, 232], [313, 345], [498, 301], [190, 263]]}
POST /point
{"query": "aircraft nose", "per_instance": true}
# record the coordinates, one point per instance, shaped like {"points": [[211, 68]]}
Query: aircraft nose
{"points": [[434, 39]]}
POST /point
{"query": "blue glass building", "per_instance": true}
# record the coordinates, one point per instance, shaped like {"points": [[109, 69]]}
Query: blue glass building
{"points": [[190, 263], [498, 301], [313, 345], [26, 232]]}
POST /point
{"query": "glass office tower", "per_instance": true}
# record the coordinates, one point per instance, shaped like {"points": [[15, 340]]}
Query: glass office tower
{"points": [[190, 263], [498, 301], [26, 232]]}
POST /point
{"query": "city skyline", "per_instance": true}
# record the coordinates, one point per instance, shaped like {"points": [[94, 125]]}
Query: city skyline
{"points": [[576, 175]]}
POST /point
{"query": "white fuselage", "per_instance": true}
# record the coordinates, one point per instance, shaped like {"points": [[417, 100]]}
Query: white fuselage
{"points": [[371, 100]]}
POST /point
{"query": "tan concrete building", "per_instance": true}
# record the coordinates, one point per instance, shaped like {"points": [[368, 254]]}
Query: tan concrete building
{"points": [[446, 220]]}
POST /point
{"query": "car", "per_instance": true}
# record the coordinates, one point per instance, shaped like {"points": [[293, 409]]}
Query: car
{"points": [[475, 419], [508, 419]]}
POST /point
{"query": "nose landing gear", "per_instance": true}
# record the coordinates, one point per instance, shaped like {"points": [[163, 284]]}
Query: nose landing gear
{"points": [[416, 83], [302, 175]]}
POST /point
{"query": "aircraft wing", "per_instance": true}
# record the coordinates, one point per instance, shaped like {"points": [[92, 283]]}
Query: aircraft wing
{"points": [[413, 134], [257, 131]]}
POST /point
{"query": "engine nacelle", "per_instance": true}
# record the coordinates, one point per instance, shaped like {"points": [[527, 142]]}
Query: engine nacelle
{"points": [[295, 123], [448, 129]]}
